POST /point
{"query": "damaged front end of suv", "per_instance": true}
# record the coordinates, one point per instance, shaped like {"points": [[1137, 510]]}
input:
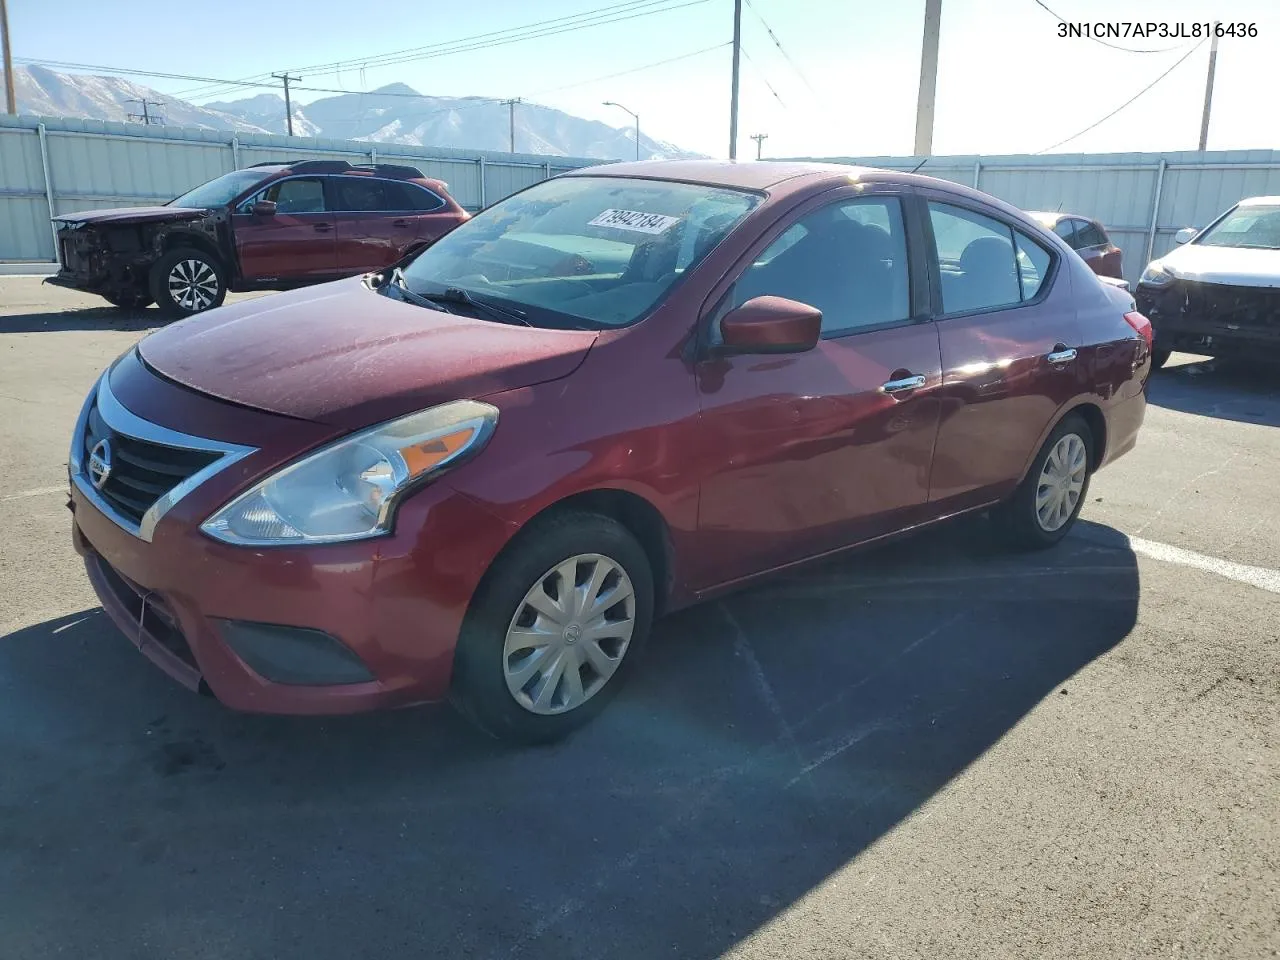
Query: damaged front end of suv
{"points": [[113, 253]]}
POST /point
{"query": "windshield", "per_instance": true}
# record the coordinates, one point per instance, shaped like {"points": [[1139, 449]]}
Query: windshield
{"points": [[597, 252], [1256, 226], [220, 191]]}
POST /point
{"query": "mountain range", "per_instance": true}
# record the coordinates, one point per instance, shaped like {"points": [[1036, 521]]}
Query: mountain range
{"points": [[391, 114]]}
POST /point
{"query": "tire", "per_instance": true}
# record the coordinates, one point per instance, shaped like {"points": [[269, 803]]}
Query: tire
{"points": [[1159, 357], [1023, 524], [134, 300], [489, 667], [175, 268]]}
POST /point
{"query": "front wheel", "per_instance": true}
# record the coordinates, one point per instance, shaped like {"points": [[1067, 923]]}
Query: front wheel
{"points": [[554, 629], [132, 300], [1047, 502], [186, 281]]}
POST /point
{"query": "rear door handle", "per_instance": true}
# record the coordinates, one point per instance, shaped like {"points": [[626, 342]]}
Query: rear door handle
{"points": [[401, 223], [1063, 355], [323, 227], [903, 385]]}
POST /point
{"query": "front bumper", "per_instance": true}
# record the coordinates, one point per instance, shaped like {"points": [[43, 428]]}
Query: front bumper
{"points": [[1222, 320], [355, 626]]}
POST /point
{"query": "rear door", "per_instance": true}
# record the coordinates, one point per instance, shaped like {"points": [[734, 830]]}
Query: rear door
{"points": [[375, 223], [1009, 340], [813, 451], [296, 243]]}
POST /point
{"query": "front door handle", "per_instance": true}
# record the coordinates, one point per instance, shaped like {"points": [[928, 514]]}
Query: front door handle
{"points": [[903, 385], [401, 223], [322, 227], [1061, 355]]}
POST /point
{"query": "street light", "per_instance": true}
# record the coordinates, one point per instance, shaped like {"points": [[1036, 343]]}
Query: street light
{"points": [[610, 103]]}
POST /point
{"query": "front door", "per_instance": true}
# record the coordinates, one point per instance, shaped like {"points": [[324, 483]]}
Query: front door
{"points": [[813, 451], [296, 243], [1008, 331]]}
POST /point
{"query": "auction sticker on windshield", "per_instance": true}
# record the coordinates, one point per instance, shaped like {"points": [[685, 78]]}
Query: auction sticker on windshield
{"points": [[634, 220]]}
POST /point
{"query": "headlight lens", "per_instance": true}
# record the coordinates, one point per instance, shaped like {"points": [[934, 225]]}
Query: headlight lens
{"points": [[349, 490], [1156, 276]]}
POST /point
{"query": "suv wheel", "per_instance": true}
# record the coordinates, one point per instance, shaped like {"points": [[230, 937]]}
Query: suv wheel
{"points": [[186, 281], [1045, 506], [554, 629]]}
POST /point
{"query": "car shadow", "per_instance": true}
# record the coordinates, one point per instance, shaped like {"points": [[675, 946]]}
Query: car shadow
{"points": [[769, 739], [1227, 389], [83, 318]]}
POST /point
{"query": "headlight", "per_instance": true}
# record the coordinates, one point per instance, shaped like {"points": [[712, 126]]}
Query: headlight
{"points": [[349, 489], [1156, 276]]}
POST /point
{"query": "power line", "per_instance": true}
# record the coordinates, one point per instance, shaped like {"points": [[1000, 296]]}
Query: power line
{"points": [[286, 79], [144, 116], [643, 66], [617, 13], [1113, 46], [778, 43], [763, 78], [1126, 103]]}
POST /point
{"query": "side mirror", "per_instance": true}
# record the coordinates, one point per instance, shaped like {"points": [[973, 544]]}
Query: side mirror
{"points": [[1184, 235], [771, 325], [264, 208]]}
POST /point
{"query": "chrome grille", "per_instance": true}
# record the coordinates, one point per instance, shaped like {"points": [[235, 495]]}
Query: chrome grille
{"points": [[141, 471]]}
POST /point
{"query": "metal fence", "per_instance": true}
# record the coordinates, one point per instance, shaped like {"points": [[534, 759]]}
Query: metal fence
{"points": [[53, 166], [1142, 199]]}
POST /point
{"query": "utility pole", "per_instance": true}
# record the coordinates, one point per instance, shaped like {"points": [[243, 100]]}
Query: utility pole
{"points": [[145, 117], [733, 97], [10, 98], [928, 78], [759, 138], [511, 106], [610, 103], [1208, 90], [288, 104]]}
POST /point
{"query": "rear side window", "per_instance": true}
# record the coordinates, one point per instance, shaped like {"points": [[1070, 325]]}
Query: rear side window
{"points": [[847, 259], [1066, 229], [1089, 234], [358, 195], [976, 264], [299, 195], [417, 198], [1033, 265]]}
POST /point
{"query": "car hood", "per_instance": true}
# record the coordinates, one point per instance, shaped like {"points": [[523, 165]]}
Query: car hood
{"points": [[132, 215], [343, 354], [1240, 266]]}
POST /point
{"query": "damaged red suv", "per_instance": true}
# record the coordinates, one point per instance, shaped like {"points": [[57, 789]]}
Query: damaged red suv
{"points": [[482, 474], [270, 226]]}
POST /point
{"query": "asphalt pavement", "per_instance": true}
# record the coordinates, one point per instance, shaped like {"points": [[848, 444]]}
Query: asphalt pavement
{"points": [[935, 749]]}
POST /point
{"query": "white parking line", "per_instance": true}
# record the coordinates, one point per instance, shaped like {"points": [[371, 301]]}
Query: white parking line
{"points": [[1261, 577], [36, 492]]}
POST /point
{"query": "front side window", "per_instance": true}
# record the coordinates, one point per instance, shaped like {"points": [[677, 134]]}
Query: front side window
{"points": [[1256, 226], [298, 195], [976, 263], [598, 252], [847, 259]]}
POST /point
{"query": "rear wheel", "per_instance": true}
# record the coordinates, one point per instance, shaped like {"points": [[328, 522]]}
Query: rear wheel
{"points": [[1159, 357], [555, 628], [1049, 499], [186, 281]]}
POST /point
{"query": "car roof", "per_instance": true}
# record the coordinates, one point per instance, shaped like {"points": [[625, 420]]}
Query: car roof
{"points": [[1051, 220], [756, 175], [1259, 201]]}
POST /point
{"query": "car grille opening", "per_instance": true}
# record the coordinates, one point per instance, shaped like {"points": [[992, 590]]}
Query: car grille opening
{"points": [[141, 471], [156, 617]]}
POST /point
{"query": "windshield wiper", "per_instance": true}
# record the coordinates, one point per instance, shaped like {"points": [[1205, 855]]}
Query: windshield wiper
{"points": [[467, 299], [396, 279]]}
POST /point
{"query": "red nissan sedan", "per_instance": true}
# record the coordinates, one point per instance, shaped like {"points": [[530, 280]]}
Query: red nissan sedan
{"points": [[482, 474]]}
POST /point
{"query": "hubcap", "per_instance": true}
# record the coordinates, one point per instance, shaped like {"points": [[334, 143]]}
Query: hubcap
{"points": [[1061, 482], [569, 634], [193, 285]]}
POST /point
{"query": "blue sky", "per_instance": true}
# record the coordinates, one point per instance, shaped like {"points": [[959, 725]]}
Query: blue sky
{"points": [[1007, 83]]}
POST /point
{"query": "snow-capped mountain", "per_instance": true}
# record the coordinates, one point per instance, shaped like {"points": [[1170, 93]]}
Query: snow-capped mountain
{"points": [[391, 114]]}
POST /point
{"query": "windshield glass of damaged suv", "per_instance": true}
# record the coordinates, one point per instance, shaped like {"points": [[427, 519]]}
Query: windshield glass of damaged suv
{"points": [[219, 191], [583, 251]]}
